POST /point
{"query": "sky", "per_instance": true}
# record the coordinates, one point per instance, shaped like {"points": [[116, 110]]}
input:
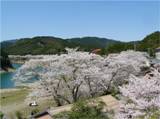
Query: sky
{"points": [[119, 20]]}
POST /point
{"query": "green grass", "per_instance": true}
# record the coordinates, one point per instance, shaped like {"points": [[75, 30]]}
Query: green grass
{"points": [[1, 115], [17, 96], [8, 99], [42, 106], [155, 115]]}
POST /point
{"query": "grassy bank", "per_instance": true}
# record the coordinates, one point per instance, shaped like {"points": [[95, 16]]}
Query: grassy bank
{"points": [[15, 96], [13, 101]]}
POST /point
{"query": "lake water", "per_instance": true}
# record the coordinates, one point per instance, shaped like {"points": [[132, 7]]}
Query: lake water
{"points": [[6, 78]]}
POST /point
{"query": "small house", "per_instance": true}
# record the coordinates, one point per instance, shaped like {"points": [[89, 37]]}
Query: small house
{"points": [[96, 51]]}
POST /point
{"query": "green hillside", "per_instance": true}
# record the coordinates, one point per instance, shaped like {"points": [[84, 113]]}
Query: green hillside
{"points": [[148, 44], [36, 45], [151, 41], [52, 45], [89, 43]]}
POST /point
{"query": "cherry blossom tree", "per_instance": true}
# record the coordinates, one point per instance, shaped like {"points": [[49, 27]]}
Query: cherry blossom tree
{"points": [[69, 77], [142, 96], [120, 66], [66, 77]]}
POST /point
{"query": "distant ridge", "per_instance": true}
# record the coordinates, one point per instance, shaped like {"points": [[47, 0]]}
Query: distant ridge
{"points": [[53, 45], [148, 44]]}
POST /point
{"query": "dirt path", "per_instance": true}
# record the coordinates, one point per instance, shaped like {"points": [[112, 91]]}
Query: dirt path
{"points": [[8, 90], [56, 110], [111, 102]]}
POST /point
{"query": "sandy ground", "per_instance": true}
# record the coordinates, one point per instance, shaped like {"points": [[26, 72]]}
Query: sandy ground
{"points": [[9, 90]]}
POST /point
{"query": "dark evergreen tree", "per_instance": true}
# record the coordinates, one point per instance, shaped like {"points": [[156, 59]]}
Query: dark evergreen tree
{"points": [[5, 62]]}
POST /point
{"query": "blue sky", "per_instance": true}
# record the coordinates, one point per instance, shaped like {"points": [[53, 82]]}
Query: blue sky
{"points": [[121, 20]]}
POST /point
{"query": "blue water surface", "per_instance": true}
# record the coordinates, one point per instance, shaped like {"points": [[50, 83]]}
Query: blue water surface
{"points": [[6, 78]]}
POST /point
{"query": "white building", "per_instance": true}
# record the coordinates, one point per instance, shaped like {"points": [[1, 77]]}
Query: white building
{"points": [[158, 53]]}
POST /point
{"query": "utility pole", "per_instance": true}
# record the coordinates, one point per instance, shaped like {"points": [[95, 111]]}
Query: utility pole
{"points": [[135, 48], [149, 51]]}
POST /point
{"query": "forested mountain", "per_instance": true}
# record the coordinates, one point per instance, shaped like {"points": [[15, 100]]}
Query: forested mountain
{"points": [[53, 45], [5, 62], [36, 45], [91, 42], [151, 41], [148, 44], [7, 43]]}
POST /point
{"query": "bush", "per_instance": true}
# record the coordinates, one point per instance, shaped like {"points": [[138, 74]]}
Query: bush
{"points": [[34, 111], [84, 110], [19, 115], [1, 115]]}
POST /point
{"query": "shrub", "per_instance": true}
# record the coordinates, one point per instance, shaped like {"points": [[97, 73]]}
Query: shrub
{"points": [[84, 110], [34, 111], [19, 115], [1, 115]]}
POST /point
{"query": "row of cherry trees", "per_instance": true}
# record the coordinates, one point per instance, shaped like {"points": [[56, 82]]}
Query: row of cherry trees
{"points": [[142, 97], [77, 75]]}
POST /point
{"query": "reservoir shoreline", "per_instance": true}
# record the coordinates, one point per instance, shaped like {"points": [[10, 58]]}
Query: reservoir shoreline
{"points": [[6, 77]]}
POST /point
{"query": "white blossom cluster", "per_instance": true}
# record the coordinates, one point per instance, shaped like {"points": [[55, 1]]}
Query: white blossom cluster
{"points": [[136, 59], [142, 96], [66, 77], [120, 66], [69, 77]]}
